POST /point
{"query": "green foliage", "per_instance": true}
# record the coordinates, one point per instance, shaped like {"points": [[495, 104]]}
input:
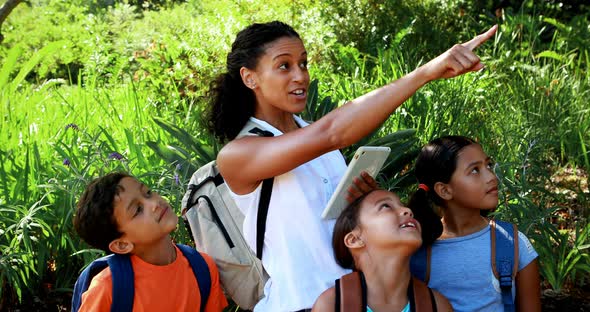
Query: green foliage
{"points": [[189, 152], [19, 246], [372, 25], [55, 142], [563, 10], [564, 254], [132, 77]]}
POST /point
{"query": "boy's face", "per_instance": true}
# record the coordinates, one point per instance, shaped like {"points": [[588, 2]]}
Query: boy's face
{"points": [[143, 216]]}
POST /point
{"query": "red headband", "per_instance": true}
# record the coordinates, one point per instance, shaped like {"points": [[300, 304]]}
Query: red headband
{"points": [[424, 187]]}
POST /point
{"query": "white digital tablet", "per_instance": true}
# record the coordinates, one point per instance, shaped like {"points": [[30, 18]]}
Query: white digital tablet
{"points": [[367, 158]]}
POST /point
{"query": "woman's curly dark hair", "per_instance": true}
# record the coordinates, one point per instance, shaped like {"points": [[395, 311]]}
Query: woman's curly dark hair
{"points": [[232, 103]]}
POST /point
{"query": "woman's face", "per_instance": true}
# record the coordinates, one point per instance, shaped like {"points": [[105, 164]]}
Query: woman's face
{"points": [[384, 221], [281, 77]]}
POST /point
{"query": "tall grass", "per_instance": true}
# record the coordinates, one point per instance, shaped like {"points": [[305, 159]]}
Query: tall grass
{"points": [[56, 138]]}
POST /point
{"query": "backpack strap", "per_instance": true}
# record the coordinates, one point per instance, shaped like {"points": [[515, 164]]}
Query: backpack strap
{"points": [[504, 247], [260, 132], [193, 188], [122, 278], [420, 264], [201, 271], [84, 280], [352, 287], [264, 202], [351, 293], [421, 297], [123, 282]]}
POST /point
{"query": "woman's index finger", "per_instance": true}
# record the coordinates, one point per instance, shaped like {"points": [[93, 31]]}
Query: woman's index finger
{"points": [[479, 39]]}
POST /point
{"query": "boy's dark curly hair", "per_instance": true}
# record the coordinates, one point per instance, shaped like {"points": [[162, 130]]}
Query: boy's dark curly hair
{"points": [[94, 220]]}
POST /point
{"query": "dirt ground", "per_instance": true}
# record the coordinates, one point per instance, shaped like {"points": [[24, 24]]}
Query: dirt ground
{"points": [[574, 301]]}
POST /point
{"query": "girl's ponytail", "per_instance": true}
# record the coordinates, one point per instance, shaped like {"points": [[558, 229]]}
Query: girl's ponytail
{"points": [[436, 163], [424, 212]]}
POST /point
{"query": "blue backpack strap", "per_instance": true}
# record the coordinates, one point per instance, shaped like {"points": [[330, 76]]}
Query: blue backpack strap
{"points": [[420, 264], [504, 242], [201, 270], [122, 277], [123, 282], [84, 280]]}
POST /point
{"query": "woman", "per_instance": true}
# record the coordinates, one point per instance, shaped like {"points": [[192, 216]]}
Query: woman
{"points": [[266, 83]]}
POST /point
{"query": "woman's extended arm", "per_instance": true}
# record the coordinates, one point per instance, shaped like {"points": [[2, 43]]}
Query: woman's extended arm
{"points": [[245, 162]]}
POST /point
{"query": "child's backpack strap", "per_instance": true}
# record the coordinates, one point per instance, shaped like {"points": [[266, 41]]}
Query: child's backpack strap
{"points": [[351, 293], [122, 277], [421, 297], [201, 270], [504, 247], [420, 264]]}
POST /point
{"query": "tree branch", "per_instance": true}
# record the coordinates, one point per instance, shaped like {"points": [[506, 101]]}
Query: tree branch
{"points": [[5, 11]]}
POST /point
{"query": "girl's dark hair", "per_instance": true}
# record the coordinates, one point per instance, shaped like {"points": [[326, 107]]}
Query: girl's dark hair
{"points": [[346, 222], [232, 103], [436, 163]]}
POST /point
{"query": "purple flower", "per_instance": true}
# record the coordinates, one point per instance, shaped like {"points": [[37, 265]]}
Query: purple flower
{"points": [[115, 155], [66, 162], [178, 166], [176, 179], [73, 126]]}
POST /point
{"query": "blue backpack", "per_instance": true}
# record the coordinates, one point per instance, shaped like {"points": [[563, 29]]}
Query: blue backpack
{"points": [[123, 280], [504, 245]]}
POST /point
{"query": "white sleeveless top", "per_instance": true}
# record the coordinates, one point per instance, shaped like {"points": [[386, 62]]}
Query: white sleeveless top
{"points": [[297, 251]]}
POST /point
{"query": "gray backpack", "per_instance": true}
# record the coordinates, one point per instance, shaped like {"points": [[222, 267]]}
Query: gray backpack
{"points": [[215, 223]]}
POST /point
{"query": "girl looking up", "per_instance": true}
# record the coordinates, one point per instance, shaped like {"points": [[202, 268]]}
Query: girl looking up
{"points": [[457, 177], [376, 236]]}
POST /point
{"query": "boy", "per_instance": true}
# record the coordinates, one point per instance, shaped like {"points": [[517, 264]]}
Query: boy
{"points": [[119, 214]]}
